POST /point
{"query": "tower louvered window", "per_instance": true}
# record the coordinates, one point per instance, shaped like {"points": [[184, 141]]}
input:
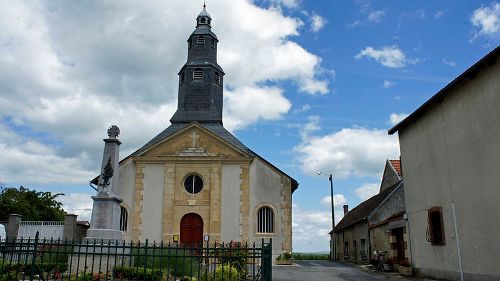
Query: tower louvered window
{"points": [[217, 78], [200, 40], [265, 220], [182, 78], [198, 74], [212, 43]]}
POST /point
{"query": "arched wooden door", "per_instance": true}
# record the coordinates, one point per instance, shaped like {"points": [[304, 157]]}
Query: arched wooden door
{"points": [[191, 229]]}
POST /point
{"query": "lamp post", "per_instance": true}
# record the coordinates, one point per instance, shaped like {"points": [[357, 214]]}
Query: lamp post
{"points": [[330, 178]]}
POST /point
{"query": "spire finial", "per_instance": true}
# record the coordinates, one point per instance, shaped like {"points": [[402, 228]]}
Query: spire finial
{"points": [[204, 5]]}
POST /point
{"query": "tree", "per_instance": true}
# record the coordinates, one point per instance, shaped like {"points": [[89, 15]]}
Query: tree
{"points": [[32, 205]]}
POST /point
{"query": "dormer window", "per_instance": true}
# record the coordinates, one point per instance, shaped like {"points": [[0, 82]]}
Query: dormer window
{"points": [[217, 79], [200, 40], [208, 21], [198, 74], [212, 43]]}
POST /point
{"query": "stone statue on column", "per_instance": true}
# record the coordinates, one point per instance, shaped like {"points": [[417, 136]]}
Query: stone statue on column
{"points": [[105, 220]]}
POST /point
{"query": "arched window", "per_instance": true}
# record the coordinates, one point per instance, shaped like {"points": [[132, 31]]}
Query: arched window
{"points": [[203, 20], [198, 74], [217, 78], [123, 218], [265, 220]]}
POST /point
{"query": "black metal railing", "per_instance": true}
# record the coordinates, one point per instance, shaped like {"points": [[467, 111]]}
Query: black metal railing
{"points": [[41, 259]]}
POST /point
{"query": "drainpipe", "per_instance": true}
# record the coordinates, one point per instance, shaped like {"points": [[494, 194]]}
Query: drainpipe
{"points": [[460, 267]]}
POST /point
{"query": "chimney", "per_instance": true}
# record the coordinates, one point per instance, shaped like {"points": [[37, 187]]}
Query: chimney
{"points": [[346, 209]]}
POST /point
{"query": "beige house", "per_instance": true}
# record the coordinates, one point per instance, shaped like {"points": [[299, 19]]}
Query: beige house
{"points": [[450, 156], [195, 181]]}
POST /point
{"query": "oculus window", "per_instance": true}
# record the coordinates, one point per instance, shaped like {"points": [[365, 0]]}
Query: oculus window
{"points": [[193, 184]]}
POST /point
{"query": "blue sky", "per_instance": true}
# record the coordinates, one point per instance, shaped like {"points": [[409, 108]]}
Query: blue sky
{"points": [[310, 85]]}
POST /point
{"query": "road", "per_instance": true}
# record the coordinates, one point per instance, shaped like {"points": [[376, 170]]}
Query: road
{"points": [[322, 271]]}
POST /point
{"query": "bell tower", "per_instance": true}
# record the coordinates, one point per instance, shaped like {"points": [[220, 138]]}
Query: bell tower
{"points": [[201, 78]]}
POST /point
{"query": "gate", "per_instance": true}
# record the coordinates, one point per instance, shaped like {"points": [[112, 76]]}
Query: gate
{"points": [[42, 259]]}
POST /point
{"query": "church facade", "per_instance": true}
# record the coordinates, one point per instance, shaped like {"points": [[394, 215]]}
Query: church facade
{"points": [[195, 181]]}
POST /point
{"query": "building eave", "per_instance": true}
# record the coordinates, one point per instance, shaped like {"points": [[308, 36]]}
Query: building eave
{"points": [[461, 80]]}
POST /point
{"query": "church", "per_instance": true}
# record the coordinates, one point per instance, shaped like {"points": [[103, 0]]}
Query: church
{"points": [[195, 181]]}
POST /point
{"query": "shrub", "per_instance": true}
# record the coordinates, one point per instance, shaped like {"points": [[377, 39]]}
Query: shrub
{"points": [[226, 273], [179, 262], [139, 273]]}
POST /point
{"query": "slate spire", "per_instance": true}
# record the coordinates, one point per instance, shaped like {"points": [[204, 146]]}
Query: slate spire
{"points": [[201, 78]]}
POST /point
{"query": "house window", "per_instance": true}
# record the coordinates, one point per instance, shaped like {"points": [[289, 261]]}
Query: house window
{"points": [[123, 218], [217, 78], [198, 74], [265, 220], [193, 184], [212, 43], [346, 248], [200, 40], [354, 249], [435, 226]]}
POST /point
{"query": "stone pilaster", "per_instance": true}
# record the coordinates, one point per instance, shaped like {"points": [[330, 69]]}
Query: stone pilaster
{"points": [[244, 202], [168, 203], [286, 211], [215, 202], [138, 196]]}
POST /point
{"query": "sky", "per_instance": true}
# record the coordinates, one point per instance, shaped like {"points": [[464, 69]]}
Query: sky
{"points": [[309, 85]]}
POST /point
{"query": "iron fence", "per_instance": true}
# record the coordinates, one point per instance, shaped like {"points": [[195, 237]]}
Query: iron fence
{"points": [[42, 259]]}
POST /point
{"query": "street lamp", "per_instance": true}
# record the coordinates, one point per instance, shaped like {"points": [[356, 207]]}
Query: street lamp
{"points": [[330, 178]]}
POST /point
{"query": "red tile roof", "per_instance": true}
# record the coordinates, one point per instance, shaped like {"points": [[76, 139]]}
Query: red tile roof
{"points": [[397, 166]]}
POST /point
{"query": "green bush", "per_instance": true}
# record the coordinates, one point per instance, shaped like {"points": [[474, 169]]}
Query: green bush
{"points": [[179, 262], [310, 256], [226, 273], [139, 273]]}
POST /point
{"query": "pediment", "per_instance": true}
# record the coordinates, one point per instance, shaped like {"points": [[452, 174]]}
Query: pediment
{"points": [[194, 141]]}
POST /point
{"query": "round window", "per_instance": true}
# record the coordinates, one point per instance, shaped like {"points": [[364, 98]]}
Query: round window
{"points": [[193, 184]]}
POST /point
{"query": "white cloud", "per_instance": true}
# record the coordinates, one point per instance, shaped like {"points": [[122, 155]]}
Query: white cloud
{"points": [[79, 204], [71, 70], [310, 127], [415, 15], [287, 3], [317, 22], [449, 62], [367, 190], [486, 20], [438, 14], [338, 200], [395, 118], [376, 16], [304, 108], [350, 151], [389, 56], [311, 228], [388, 84]]}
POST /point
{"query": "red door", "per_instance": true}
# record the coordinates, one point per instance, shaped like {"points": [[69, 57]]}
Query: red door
{"points": [[191, 229]]}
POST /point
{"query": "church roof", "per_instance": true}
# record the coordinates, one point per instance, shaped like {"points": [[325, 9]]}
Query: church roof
{"points": [[216, 129]]}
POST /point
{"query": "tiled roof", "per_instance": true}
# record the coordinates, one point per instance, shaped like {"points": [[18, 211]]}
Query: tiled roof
{"points": [[362, 211], [396, 164]]}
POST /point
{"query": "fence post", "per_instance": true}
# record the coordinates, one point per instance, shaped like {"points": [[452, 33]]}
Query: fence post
{"points": [[33, 259], [267, 250]]}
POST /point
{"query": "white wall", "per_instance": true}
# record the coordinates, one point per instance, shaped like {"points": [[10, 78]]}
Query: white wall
{"points": [[453, 153], [230, 225], [152, 204], [265, 188]]}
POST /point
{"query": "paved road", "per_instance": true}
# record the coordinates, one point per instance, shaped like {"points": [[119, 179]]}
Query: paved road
{"points": [[322, 271]]}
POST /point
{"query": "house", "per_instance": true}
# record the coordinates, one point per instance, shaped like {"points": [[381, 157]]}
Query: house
{"points": [[195, 182], [374, 224], [450, 157]]}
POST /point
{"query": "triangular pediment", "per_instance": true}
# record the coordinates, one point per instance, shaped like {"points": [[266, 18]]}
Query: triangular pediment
{"points": [[194, 141]]}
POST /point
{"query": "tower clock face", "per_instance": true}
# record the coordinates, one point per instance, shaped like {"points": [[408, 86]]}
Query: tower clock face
{"points": [[193, 184]]}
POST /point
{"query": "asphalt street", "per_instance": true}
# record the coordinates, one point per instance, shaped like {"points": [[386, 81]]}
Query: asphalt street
{"points": [[322, 270]]}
